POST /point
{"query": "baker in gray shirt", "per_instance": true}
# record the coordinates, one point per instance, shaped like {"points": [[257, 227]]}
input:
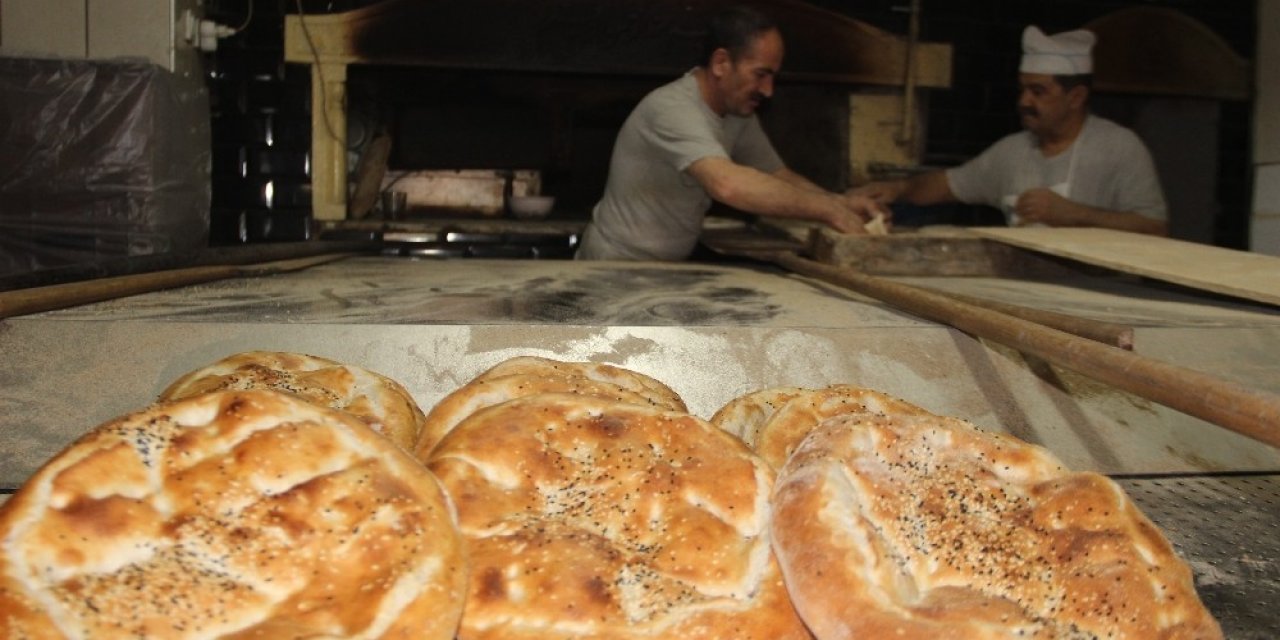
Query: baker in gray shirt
{"points": [[696, 140], [1068, 168]]}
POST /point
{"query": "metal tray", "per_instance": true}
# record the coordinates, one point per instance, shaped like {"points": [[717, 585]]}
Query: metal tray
{"points": [[1228, 529]]}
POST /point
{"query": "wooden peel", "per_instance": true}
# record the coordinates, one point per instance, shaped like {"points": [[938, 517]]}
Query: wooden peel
{"points": [[370, 170], [1112, 333], [61, 296], [1249, 412], [751, 243]]}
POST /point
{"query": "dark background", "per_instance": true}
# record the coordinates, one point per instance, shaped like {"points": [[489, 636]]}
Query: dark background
{"points": [[481, 120]]}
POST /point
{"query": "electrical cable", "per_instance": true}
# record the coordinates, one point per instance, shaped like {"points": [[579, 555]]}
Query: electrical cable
{"points": [[319, 77], [248, 17]]}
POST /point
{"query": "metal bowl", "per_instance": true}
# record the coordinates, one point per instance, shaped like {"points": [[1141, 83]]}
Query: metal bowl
{"points": [[531, 207]]}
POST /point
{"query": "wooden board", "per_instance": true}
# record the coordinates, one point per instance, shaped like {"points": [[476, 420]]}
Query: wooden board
{"points": [[946, 252], [1225, 271]]}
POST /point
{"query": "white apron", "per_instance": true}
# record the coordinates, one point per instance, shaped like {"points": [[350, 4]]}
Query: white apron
{"points": [[1062, 188]]}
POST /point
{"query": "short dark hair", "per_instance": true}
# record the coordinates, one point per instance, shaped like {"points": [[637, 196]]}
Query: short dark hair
{"points": [[734, 29], [1069, 82]]}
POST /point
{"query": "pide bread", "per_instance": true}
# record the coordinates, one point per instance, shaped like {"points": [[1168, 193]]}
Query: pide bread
{"points": [[579, 500], [489, 390], [231, 514], [773, 421], [779, 435], [378, 400], [588, 518], [744, 415], [655, 390], [909, 525]]}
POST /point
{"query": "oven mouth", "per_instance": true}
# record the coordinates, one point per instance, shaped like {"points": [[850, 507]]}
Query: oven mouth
{"points": [[458, 243]]}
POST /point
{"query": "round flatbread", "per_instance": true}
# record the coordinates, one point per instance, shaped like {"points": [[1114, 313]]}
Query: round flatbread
{"points": [[744, 415], [378, 400], [655, 390], [593, 519], [231, 514], [922, 527], [487, 391], [778, 436], [773, 421]]}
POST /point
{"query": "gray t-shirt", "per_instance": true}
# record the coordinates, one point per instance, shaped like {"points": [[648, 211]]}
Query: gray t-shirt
{"points": [[1106, 167], [652, 209]]}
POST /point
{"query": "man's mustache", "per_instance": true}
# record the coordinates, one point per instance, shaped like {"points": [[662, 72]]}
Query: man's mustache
{"points": [[1028, 111]]}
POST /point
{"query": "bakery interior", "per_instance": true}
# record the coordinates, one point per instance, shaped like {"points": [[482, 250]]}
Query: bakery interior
{"points": [[187, 179]]}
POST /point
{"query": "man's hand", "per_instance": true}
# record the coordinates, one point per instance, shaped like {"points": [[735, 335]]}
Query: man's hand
{"points": [[855, 211], [785, 194], [882, 192], [1043, 206], [1046, 207]]}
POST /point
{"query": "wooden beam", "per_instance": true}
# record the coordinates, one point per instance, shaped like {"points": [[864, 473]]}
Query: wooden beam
{"points": [[319, 39], [658, 38], [329, 141]]}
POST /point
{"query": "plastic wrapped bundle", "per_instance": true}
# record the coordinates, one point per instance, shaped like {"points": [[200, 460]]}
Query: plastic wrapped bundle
{"points": [[103, 159]]}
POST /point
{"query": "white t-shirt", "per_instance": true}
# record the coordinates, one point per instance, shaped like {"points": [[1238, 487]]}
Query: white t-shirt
{"points": [[652, 208], [1106, 167]]}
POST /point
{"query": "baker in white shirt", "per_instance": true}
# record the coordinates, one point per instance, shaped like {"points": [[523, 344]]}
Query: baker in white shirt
{"points": [[1067, 168], [698, 139]]}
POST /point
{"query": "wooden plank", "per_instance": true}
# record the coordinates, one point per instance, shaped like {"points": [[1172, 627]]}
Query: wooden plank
{"points": [[939, 253], [1252, 276]]}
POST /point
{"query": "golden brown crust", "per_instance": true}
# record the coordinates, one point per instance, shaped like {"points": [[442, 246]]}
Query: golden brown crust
{"points": [[587, 518], [655, 390], [378, 400], [231, 514], [910, 525], [774, 421], [784, 430], [744, 415], [488, 390]]}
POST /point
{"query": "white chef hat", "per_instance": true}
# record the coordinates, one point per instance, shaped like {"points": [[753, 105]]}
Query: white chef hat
{"points": [[1061, 54]]}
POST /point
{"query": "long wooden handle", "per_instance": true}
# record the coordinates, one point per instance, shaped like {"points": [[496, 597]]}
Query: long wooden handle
{"points": [[1249, 412], [61, 296], [1112, 333]]}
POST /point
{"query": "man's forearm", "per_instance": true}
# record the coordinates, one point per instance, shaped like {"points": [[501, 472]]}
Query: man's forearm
{"points": [[797, 180], [1086, 216], [766, 194], [926, 189], [921, 189]]}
